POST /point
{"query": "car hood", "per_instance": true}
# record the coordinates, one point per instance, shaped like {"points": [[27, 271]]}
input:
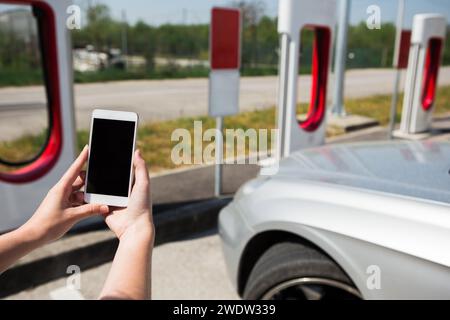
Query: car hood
{"points": [[416, 169]]}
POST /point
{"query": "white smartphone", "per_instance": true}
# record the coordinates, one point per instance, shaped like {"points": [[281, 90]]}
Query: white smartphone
{"points": [[112, 142]]}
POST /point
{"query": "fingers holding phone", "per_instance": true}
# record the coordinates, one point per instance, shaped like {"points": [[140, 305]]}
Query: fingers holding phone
{"points": [[63, 206], [136, 218]]}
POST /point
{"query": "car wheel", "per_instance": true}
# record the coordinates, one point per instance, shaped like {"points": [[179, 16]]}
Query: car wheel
{"points": [[293, 271]]}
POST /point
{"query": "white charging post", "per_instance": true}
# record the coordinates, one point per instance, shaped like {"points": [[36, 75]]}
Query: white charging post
{"points": [[225, 56], [293, 16], [427, 42], [23, 188]]}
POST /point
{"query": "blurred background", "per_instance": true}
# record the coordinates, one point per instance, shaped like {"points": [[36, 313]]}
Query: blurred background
{"points": [[169, 39], [152, 57]]}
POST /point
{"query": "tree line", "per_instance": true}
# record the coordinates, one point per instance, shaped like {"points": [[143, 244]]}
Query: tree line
{"points": [[260, 42], [366, 48]]}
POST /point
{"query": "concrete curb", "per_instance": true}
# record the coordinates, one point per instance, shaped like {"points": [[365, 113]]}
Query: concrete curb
{"points": [[171, 222]]}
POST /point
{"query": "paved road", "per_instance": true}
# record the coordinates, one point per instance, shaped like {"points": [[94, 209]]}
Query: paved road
{"points": [[189, 269], [169, 99]]}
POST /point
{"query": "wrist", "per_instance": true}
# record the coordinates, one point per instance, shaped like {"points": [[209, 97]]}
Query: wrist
{"points": [[141, 230], [30, 235]]}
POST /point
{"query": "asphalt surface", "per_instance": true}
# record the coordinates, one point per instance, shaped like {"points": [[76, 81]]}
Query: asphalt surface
{"points": [[22, 108], [188, 269]]}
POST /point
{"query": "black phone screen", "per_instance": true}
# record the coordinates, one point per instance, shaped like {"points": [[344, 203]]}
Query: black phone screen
{"points": [[110, 157]]}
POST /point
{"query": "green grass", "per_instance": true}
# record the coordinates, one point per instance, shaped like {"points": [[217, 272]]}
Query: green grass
{"points": [[20, 77], [23, 148], [9, 77], [168, 72], [154, 137]]}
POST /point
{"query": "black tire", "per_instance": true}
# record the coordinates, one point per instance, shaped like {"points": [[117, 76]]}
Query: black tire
{"points": [[290, 260]]}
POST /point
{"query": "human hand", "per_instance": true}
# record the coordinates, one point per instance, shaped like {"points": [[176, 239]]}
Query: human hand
{"points": [[130, 273], [64, 205], [136, 219]]}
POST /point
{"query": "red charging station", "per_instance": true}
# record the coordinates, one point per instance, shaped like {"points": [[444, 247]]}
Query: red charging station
{"points": [[294, 16], [427, 41], [22, 189]]}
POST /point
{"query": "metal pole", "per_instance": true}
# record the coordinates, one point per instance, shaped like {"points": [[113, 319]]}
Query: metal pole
{"points": [[219, 158], [398, 34], [340, 58], [393, 112], [282, 96]]}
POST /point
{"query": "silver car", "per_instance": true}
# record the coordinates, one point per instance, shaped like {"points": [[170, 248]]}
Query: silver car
{"points": [[350, 221]]}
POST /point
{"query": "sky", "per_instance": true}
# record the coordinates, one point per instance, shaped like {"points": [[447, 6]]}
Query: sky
{"points": [[157, 12]]}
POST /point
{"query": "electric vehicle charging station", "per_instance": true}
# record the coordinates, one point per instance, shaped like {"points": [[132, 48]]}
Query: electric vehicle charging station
{"points": [[294, 16], [22, 189], [427, 41]]}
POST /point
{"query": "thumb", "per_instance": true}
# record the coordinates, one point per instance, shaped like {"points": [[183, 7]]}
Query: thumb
{"points": [[88, 210], [141, 172]]}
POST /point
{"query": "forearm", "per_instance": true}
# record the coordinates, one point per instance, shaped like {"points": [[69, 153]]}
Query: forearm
{"points": [[130, 274], [16, 244]]}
